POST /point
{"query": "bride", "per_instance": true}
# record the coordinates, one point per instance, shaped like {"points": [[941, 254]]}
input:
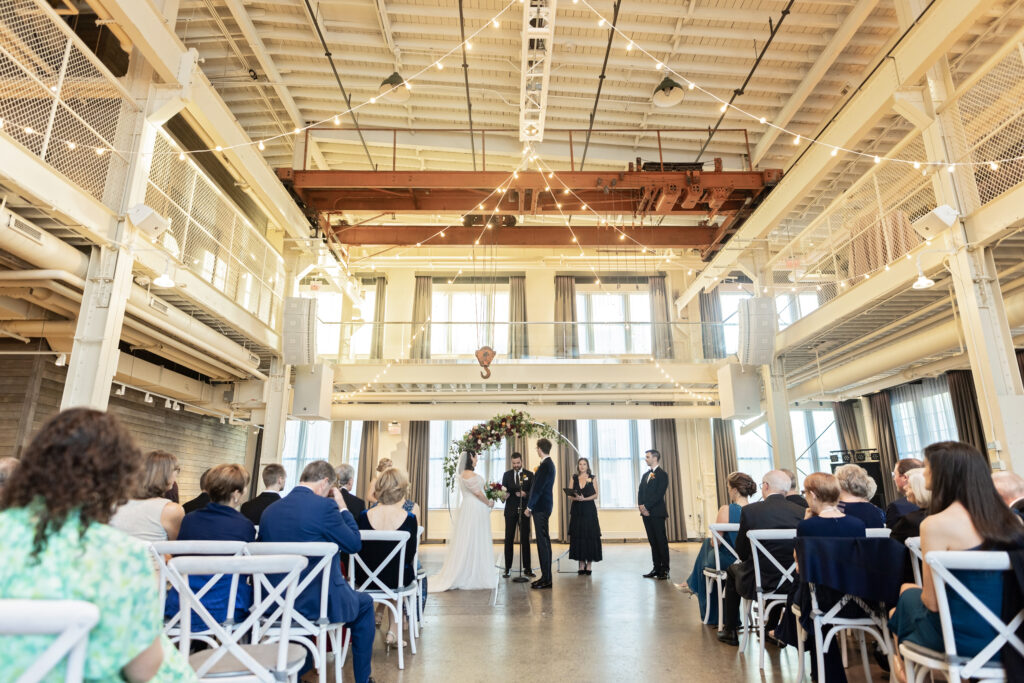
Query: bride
{"points": [[469, 564]]}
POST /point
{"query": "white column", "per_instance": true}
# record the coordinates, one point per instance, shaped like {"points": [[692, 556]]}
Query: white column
{"points": [[279, 398], [779, 426]]}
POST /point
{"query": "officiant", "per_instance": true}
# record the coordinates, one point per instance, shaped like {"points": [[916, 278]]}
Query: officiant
{"points": [[517, 482]]}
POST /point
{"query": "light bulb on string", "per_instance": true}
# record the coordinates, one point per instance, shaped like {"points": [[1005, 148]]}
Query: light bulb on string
{"points": [[337, 120], [181, 156], [71, 145], [601, 22], [725, 105], [917, 165], [629, 48], [993, 166], [835, 151], [796, 140], [261, 146]]}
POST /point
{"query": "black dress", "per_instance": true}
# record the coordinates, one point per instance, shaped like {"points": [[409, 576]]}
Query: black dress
{"points": [[584, 529]]}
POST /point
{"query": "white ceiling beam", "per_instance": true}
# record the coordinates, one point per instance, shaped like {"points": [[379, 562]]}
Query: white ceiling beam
{"points": [[842, 37], [541, 411], [537, 48], [252, 37], [926, 42], [413, 372]]}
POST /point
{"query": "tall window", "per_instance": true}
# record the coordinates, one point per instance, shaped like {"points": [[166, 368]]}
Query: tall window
{"points": [[814, 437], [616, 322], [793, 306], [351, 441], [753, 451], [304, 442], [730, 302], [490, 466], [789, 306], [922, 413], [615, 449], [362, 334], [466, 317], [328, 323]]}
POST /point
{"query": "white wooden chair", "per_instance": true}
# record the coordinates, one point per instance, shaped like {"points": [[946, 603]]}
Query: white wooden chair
{"points": [[945, 566], [717, 575], [171, 578], [754, 612], [69, 620], [398, 599], [229, 659], [914, 546], [421, 577], [883, 532], [313, 635]]}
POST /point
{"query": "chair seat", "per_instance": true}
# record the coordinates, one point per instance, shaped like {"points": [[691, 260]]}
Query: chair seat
{"points": [[934, 659], [381, 595], [265, 654], [712, 573]]}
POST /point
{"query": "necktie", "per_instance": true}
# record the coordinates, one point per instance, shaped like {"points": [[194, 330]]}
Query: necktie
{"points": [[517, 478]]}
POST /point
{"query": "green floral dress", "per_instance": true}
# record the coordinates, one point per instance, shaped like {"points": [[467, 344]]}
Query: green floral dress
{"points": [[105, 567]]}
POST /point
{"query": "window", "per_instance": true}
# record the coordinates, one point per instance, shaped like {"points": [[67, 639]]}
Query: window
{"points": [[615, 449], [304, 442], [332, 330], [490, 466], [362, 334], [814, 437], [730, 302], [753, 451], [351, 444], [328, 325], [922, 413], [466, 317], [616, 322]]}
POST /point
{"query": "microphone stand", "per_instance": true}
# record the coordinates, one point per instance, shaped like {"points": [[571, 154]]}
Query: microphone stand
{"points": [[518, 535]]}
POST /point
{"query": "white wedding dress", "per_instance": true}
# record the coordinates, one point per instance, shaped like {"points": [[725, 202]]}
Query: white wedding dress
{"points": [[469, 564]]}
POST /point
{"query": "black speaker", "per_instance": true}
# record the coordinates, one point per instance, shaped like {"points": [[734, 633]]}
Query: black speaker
{"points": [[874, 470]]}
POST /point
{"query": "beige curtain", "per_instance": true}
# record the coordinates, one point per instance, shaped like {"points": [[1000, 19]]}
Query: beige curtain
{"points": [[661, 328], [377, 339], [421, 301], [367, 458], [565, 465], [846, 425], [518, 341], [566, 337], [663, 439], [419, 462]]}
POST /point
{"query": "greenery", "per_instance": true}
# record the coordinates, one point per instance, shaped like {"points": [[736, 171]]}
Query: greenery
{"points": [[491, 433]]}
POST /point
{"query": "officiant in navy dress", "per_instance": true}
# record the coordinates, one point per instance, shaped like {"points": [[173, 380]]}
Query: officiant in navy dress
{"points": [[584, 527]]}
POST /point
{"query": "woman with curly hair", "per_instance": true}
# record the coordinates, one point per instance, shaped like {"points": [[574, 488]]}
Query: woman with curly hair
{"points": [[56, 545]]}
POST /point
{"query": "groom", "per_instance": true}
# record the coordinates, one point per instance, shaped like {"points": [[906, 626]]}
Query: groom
{"points": [[539, 508]]}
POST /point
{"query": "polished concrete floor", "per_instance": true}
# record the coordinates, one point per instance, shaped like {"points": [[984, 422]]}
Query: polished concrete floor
{"points": [[612, 626]]}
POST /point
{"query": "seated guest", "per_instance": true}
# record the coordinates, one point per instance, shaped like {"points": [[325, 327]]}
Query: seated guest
{"points": [[382, 464], [827, 520], [346, 479], [148, 516], [273, 480], [220, 520], [857, 489], [794, 490], [1010, 487], [315, 511], [901, 505], [909, 525], [200, 501], [7, 467], [56, 545], [773, 512], [966, 514], [389, 515], [740, 487]]}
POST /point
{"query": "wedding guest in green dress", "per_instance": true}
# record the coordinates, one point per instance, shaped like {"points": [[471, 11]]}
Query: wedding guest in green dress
{"points": [[56, 545]]}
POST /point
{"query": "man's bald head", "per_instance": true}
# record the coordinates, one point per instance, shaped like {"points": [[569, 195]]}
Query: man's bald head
{"points": [[1009, 485], [776, 481]]}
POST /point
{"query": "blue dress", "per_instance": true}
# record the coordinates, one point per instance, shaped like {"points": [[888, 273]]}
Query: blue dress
{"points": [[869, 513], [915, 623], [706, 558]]}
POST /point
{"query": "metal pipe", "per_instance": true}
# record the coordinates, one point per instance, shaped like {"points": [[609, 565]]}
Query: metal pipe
{"points": [[600, 80], [757, 62], [465, 78]]}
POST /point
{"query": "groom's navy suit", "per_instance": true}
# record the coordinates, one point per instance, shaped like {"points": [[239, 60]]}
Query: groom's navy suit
{"points": [[540, 505]]}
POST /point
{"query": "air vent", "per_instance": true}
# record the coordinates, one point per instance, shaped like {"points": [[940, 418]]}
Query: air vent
{"points": [[27, 229], [159, 305], [254, 360]]}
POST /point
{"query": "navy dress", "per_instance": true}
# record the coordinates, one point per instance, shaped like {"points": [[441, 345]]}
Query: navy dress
{"points": [[869, 513], [584, 528], [706, 559], [215, 522]]}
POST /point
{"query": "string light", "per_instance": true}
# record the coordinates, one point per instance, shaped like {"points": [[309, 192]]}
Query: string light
{"points": [[835, 151], [261, 146], [337, 120]]}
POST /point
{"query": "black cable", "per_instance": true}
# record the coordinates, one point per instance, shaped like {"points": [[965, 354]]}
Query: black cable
{"points": [[739, 91], [337, 77], [465, 75], [600, 80]]}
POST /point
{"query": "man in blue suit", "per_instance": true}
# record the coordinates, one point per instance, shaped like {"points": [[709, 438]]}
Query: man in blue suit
{"points": [[539, 507], [315, 511]]}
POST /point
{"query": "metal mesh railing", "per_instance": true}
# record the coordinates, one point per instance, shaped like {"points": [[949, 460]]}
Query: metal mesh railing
{"points": [[61, 103], [986, 123], [210, 236]]}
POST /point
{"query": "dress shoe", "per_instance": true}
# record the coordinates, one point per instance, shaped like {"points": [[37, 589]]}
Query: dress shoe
{"points": [[529, 573], [651, 574], [662, 576], [506, 574], [728, 636], [581, 572], [540, 585], [587, 572]]}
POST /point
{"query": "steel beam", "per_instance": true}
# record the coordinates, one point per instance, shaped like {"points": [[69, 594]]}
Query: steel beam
{"points": [[550, 235], [570, 372]]}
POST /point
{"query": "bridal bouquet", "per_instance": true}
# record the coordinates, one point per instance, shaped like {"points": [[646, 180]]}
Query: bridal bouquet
{"points": [[496, 491]]}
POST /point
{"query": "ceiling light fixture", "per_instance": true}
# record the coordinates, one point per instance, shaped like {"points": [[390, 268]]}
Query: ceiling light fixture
{"points": [[62, 360], [391, 89], [669, 93], [148, 398], [164, 280]]}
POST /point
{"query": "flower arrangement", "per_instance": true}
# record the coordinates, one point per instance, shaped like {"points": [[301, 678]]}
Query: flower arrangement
{"points": [[495, 491], [491, 433]]}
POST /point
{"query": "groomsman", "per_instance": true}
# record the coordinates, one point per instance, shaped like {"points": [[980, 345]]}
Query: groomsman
{"points": [[539, 506], [517, 482], [651, 501]]}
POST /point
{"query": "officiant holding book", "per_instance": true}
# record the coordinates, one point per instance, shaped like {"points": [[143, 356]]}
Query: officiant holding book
{"points": [[517, 482]]}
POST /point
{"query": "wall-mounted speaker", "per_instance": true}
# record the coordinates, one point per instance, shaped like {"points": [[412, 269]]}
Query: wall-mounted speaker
{"points": [[314, 386], [299, 331], [757, 320], [739, 391]]}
